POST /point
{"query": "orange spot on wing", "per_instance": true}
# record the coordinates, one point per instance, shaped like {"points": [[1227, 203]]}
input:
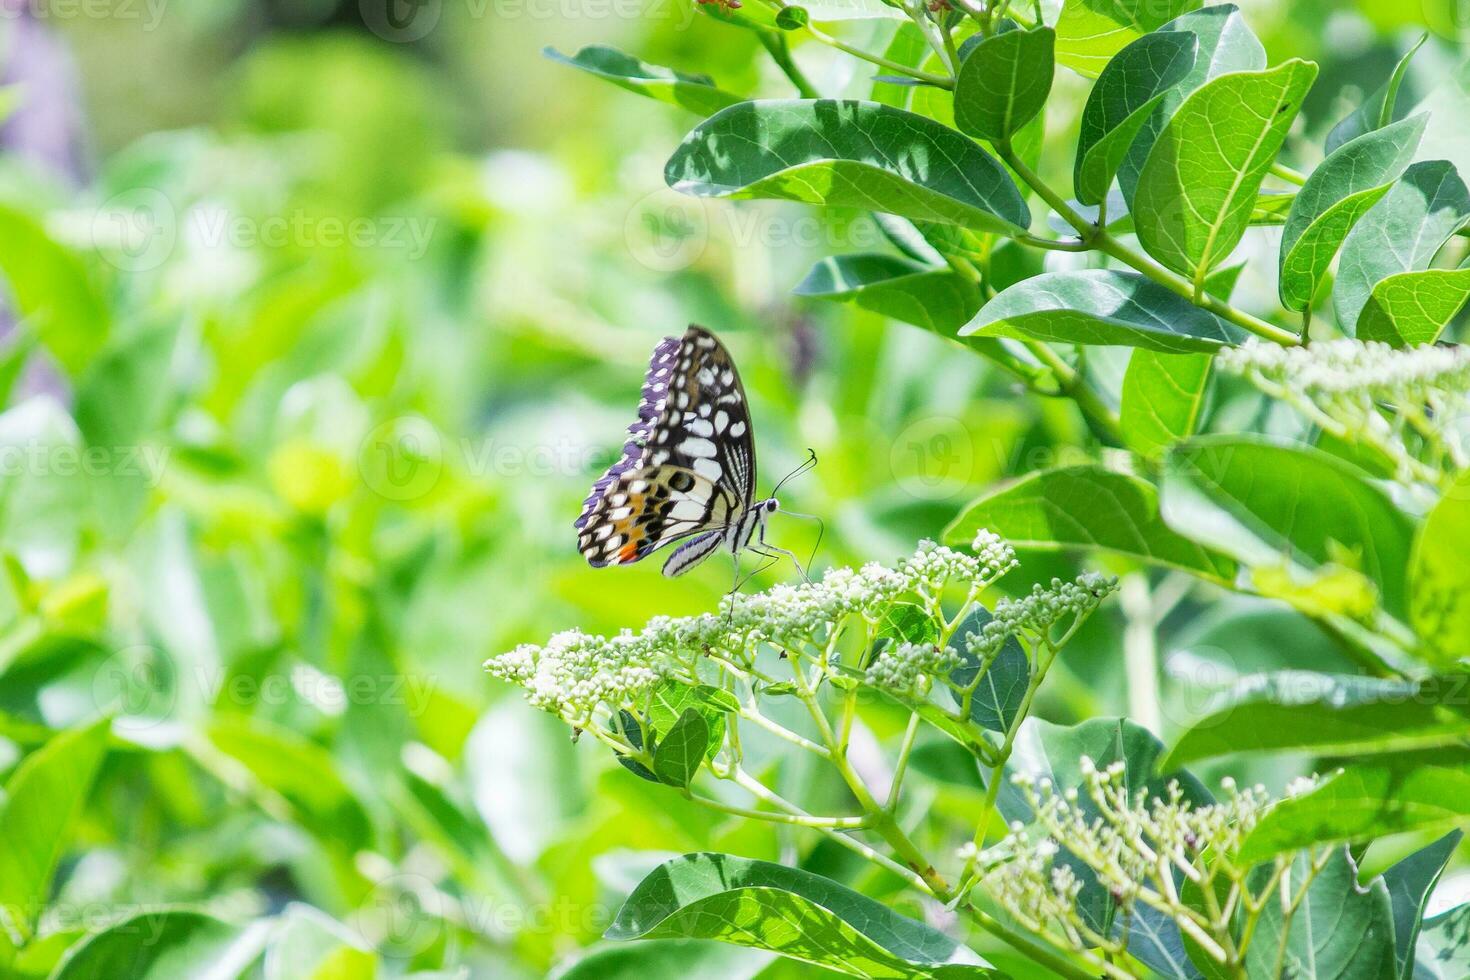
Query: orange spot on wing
{"points": [[629, 551]]}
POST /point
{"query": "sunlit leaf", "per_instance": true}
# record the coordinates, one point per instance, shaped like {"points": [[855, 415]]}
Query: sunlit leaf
{"points": [[1162, 398], [1225, 44], [1090, 32], [1082, 508], [1412, 308], [1198, 189], [53, 291], [858, 154], [1326, 714], [1340, 930], [1383, 102], [1368, 799], [1439, 576], [697, 93], [1003, 82], [1127, 92], [308, 945], [1100, 306], [680, 752], [1401, 233], [43, 801], [164, 945], [788, 911], [1338, 193], [940, 300], [1268, 503]]}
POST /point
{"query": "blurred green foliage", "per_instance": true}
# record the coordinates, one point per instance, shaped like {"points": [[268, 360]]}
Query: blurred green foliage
{"points": [[304, 386]]}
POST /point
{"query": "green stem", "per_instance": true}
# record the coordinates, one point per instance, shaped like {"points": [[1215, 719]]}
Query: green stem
{"points": [[1100, 239], [1028, 946], [1074, 387], [800, 820], [780, 51], [1287, 174], [929, 78]]}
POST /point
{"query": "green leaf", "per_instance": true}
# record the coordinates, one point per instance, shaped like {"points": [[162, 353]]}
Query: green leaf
{"points": [[1410, 883], [1412, 308], [163, 945], [697, 93], [1339, 931], [1085, 507], [1439, 576], [299, 770], [1126, 94], [678, 756], [907, 622], [1401, 233], [1100, 306], [1226, 44], [309, 945], [1338, 193], [53, 291], [1379, 109], [856, 154], [1003, 82], [1090, 32], [1272, 504], [1053, 752], [791, 912], [633, 729], [44, 799], [999, 696], [1367, 800], [792, 18], [1443, 952], [935, 299], [1162, 398], [668, 959], [672, 698], [1198, 189], [1324, 714]]}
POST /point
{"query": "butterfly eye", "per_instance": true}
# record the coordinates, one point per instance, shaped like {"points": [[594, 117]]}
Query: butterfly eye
{"points": [[772, 506]]}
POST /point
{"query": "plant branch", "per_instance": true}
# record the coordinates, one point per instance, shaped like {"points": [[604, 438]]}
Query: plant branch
{"points": [[1104, 242], [779, 49]]}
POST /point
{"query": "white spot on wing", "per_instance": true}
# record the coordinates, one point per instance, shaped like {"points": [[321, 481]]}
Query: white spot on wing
{"points": [[694, 446]]}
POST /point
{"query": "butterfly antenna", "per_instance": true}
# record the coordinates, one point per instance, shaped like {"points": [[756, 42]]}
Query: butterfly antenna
{"points": [[807, 465]]}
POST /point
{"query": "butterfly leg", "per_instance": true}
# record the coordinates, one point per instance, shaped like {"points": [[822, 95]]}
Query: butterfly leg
{"points": [[764, 547]]}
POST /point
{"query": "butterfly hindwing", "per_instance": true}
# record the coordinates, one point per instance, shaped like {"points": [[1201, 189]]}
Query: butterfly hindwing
{"points": [[645, 509]]}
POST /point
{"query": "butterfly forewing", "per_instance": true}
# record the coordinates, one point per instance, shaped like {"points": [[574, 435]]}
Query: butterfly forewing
{"points": [[689, 463]]}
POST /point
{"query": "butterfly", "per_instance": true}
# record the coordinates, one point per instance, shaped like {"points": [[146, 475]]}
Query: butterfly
{"points": [[688, 469]]}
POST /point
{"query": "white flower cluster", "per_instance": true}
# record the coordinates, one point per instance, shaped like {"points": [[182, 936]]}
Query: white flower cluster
{"points": [[1332, 367], [933, 565], [1132, 842], [1412, 404], [574, 672], [1038, 612], [910, 668]]}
